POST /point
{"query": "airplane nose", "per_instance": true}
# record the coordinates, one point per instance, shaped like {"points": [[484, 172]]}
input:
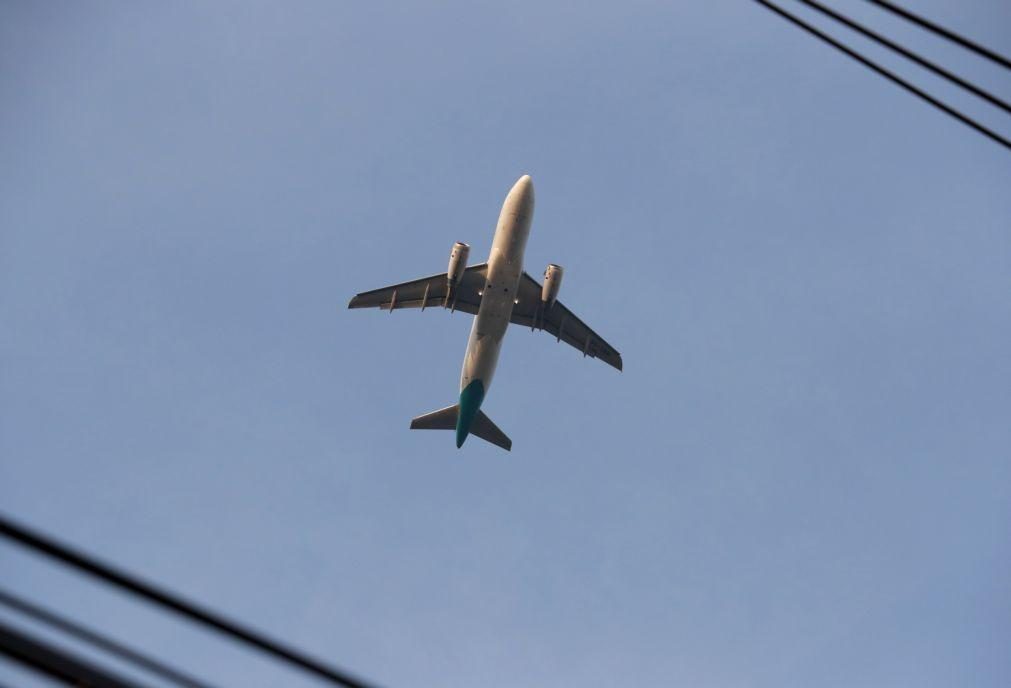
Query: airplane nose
{"points": [[523, 192]]}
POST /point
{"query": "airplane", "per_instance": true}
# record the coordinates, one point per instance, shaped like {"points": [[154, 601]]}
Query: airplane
{"points": [[498, 292]]}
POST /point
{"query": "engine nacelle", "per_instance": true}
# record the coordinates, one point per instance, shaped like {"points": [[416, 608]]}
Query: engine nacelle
{"points": [[552, 284], [457, 263]]}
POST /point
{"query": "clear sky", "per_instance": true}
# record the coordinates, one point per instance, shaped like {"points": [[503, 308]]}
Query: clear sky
{"points": [[802, 478]]}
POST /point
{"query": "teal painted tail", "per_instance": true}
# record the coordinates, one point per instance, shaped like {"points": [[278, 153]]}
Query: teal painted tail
{"points": [[470, 404], [466, 418]]}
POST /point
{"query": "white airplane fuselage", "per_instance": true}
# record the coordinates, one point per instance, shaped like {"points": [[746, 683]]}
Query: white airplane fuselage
{"points": [[496, 293], [505, 266]]}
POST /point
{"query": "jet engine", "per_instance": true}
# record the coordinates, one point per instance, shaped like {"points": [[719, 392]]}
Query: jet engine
{"points": [[457, 263], [552, 283]]}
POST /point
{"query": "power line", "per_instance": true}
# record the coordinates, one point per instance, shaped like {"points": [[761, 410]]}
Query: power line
{"points": [[150, 592], [55, 663], [922, 61], [968, 121], [111, 646], [941, 31]]}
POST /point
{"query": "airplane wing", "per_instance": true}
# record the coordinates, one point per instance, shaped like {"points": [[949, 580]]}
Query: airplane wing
{"points": [[561, 322], [428, 291]]}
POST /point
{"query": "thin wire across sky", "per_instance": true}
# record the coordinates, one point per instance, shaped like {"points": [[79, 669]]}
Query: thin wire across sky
{"points": [[84, 563], [905, 52]]}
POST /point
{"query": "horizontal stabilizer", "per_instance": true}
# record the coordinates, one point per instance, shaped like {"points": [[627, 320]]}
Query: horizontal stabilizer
{"points": [[489, 432], [443, 419]]}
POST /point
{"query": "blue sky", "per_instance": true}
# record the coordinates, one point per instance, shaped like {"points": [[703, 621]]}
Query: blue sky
{"points": [[803, 476]]}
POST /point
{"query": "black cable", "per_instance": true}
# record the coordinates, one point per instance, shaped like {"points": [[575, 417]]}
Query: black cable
{"points": [[941, 31], [111, 646], [83, 562], [888, 75], [55, 663], [909, 54]]}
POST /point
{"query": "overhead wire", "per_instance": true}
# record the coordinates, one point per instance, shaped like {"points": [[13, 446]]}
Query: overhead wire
{"points": [[943, 32], [148, 591], [891, 76], [98, 640], [56, 663], [909, 54]]}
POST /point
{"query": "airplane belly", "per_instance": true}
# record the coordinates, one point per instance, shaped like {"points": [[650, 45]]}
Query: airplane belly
{"points": [[505, 267], [486, 335]]}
